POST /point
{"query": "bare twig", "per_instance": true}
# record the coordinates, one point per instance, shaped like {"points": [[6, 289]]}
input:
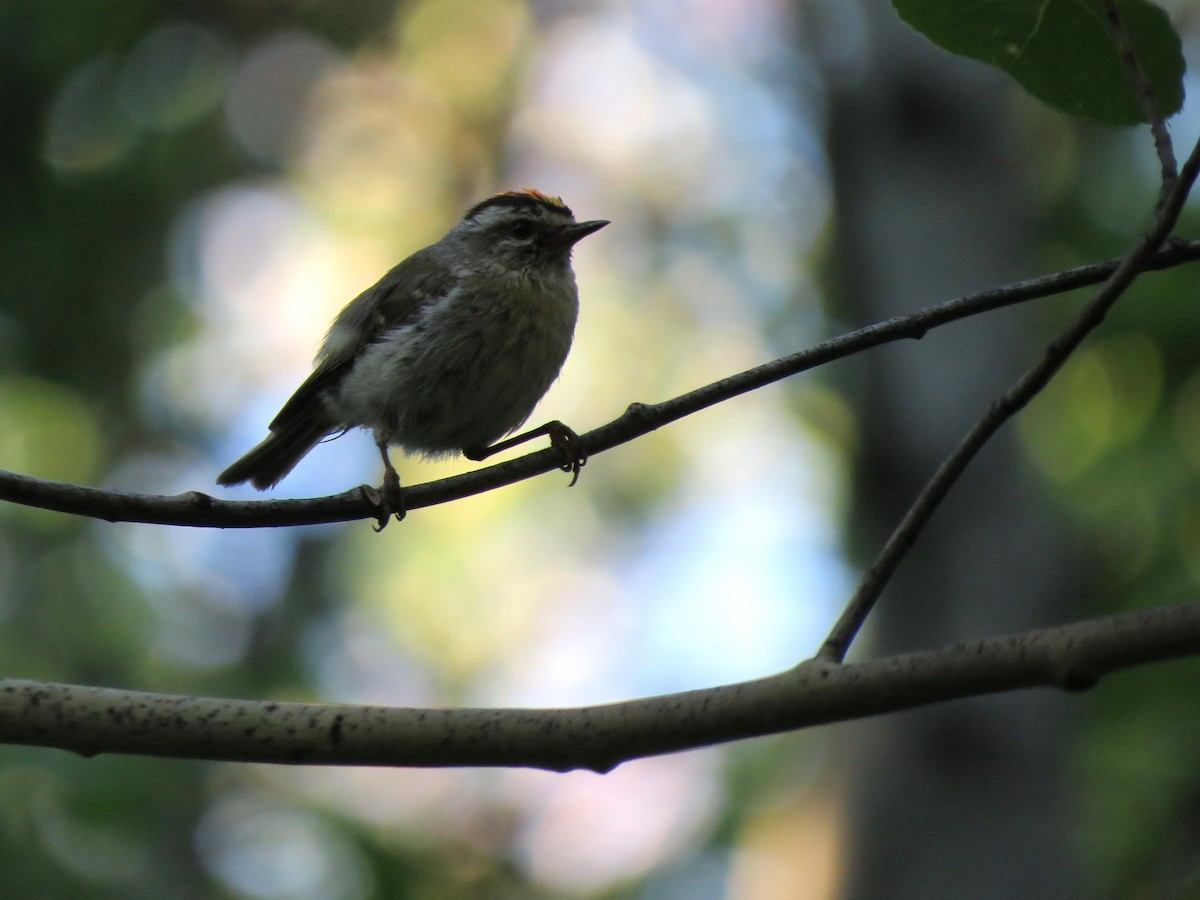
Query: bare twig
{"points": [[1145, 92], [201, 510], [91, 720], [1011, 402]]}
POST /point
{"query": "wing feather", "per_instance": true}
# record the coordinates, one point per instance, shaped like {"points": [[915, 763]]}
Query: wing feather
{"points": [[391, 302]]}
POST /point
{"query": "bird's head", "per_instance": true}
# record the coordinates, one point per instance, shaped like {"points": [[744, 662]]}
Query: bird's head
{"points": [[523, 229]]}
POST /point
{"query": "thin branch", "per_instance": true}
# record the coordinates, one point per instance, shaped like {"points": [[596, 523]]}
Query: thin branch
{"points": [[1145, 93], [1008, 405], [91, 720], [196, 509]]}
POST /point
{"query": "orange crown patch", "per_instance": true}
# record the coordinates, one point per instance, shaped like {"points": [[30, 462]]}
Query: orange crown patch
{"points": [[536, 195]]}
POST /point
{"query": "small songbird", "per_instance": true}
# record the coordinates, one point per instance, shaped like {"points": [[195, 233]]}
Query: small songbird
{"points": [[448, 352]]}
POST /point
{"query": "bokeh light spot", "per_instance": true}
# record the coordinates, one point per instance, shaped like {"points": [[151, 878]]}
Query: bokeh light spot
{"points": [[174, 75], [49, 431], [270, 89], [260, 848], [86, 129]]}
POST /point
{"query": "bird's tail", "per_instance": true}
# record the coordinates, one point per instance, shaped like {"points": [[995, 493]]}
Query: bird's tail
{"points": [[267, 464]]}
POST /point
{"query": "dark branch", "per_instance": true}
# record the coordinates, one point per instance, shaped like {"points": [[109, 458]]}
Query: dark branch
{"points": [[90, 720], [1145, 91], [201, 510], [1009, 404]]}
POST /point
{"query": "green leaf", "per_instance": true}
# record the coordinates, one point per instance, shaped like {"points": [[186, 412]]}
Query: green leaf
{"points": [[1062, 51]]}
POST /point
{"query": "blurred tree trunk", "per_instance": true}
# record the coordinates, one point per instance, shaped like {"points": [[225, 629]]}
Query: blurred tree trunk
{"points": [[967, 799]]}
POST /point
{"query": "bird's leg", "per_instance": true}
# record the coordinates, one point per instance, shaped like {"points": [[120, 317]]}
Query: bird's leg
{"points": [[391, 500], [562, 438]]}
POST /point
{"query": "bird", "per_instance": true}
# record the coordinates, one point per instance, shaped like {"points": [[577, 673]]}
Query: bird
{"points": [[449, 352]]}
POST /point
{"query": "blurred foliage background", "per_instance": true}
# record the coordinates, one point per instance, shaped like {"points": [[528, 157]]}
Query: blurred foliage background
{"points": [[190, 192]]}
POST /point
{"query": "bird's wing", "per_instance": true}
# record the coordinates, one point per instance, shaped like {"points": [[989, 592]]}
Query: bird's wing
{"points": [[391, 302]]}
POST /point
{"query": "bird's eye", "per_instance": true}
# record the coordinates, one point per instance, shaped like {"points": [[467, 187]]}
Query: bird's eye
{"points": [[521, 229]]}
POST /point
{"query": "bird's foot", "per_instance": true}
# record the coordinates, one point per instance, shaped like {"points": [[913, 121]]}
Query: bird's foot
{"points": [[388, 500], [567, 442], [562, 439]]}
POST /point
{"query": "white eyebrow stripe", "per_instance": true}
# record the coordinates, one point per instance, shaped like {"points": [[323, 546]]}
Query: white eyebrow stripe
{"points": [[493, 214]]}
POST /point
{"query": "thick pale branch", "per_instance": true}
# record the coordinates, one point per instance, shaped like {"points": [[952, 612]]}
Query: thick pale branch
{"points": [[201, 510], [90, 720]]}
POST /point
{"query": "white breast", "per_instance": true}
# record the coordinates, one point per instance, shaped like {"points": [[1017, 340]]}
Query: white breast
{"points": [[469, 369]]}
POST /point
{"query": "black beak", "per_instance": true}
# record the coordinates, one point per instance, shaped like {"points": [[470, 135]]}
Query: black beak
{"points": [[570, 235]]}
